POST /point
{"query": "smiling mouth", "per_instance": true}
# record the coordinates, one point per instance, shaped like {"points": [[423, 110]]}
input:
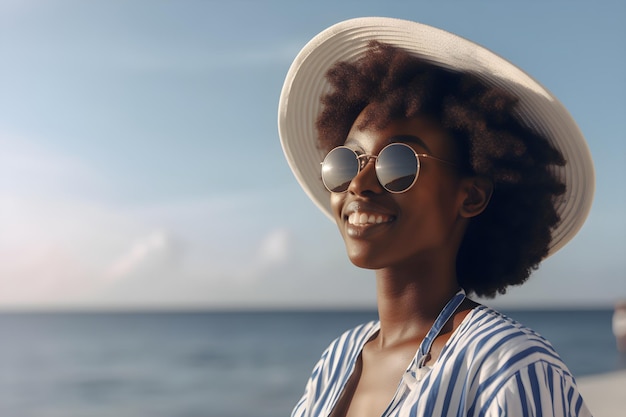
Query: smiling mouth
{"points": [[365, 219]]}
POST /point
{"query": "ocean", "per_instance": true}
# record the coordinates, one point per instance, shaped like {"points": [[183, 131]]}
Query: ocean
{"points": [[210, 364]]}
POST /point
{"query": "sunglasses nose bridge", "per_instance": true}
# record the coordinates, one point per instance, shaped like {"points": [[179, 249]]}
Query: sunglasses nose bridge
{"points": [[366, 179], [365, 159]]}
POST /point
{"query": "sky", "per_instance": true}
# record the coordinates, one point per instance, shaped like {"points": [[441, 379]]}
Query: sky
{"points": [[140, 165]]}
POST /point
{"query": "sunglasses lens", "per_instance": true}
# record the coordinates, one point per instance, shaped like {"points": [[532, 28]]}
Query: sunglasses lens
{"points": [[339, 168], [397, 167]]}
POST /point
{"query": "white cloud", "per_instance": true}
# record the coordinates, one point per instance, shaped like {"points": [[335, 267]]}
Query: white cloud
{"points": [[39, 274], [271, 252], [57, 251], [51, 250], [274, 249], [144, 253]]}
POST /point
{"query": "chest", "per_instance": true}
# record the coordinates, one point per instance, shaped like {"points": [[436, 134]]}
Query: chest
{"points": [[379, 377]]}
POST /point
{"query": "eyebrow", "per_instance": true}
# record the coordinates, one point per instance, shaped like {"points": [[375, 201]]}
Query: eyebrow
{"points": [[411, 139], [399, 138]]}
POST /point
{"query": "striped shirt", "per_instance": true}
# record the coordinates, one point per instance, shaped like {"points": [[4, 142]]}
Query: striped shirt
{"points": [[491, 366]]}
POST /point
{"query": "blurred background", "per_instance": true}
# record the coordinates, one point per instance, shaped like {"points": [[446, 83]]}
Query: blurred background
{"points": [[156, 254]]}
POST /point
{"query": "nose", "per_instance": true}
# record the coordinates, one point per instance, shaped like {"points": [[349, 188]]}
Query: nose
{"points": [[366, 180]]}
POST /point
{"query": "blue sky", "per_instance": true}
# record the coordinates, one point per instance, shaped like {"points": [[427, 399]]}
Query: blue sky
{"points": [[140, 165]]}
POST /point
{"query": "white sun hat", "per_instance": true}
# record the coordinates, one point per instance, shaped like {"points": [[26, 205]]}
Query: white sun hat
{"points": [[538, 108]]}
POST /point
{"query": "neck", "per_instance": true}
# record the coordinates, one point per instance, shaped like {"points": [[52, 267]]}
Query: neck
{"points": [[408, 304]]}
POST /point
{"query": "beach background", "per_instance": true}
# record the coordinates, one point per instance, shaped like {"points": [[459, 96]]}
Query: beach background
{"points": [[226, 364], [157, 257]]}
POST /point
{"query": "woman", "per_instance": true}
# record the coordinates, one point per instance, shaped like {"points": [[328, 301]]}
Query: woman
{"points": [[449, 172]]}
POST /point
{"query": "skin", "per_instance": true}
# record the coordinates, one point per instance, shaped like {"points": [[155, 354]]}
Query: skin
{"points": [[412, 251]]}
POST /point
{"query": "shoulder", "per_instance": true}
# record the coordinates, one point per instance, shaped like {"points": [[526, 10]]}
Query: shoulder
{"points": [[495, 340], [540, 389], [488, 348], [342, 352], [352, 340], [332, 370], [509, 366]]}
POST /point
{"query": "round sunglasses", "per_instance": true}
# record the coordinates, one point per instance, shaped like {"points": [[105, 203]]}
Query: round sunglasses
{"points": [[397, 167]]}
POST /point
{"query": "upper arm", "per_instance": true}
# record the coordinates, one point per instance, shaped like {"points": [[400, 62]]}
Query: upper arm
{"points": [[536, 390]]}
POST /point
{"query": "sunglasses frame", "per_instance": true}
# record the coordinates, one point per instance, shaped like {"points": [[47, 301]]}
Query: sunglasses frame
{"points": [[363, 160]]}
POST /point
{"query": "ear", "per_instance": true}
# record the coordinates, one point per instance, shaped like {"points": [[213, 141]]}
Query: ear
{"points": [[478, 191]]}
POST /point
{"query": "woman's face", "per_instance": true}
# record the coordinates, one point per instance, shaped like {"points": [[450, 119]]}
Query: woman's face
{"points": [[381, 229]]}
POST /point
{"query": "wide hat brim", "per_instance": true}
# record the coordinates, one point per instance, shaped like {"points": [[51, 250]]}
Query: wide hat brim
{"points": [[538, 108]]}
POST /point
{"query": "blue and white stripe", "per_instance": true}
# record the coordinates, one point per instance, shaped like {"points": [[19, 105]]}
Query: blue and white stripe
{"points": [[491, 366]]}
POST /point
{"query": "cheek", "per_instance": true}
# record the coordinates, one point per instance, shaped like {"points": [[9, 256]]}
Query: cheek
{"points": [[433, 207], [336, 204]]}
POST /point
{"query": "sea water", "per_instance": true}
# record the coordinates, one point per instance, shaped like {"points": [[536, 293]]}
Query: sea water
{"points": [[209, 364]]}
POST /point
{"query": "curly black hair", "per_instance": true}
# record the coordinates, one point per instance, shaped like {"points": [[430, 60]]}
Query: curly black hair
{"points": [[505, 243]]}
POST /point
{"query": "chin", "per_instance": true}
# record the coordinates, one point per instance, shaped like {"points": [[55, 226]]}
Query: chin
{"points": [[364, 259]]}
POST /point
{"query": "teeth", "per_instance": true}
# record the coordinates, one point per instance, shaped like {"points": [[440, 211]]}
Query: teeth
{"points": [[363, 218]]}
